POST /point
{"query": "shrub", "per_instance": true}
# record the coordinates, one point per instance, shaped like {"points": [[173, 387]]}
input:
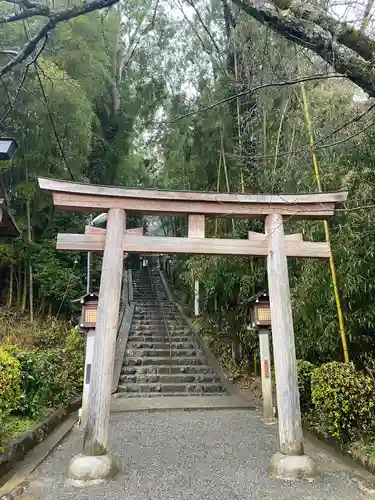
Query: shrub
{"points": [[38, 368], [10, 379], [49, 377], [9, 387], [73, 365], [343, 400], [304, 372], [18, 330]]}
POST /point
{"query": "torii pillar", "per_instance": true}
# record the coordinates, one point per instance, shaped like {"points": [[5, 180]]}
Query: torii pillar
{"points": [[95, 462], [290, 461]]}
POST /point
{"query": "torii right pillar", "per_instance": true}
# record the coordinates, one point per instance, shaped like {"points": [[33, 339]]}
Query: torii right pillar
{"points": [[290, 462]]}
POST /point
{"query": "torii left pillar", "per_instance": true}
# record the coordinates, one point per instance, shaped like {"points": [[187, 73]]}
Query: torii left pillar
{"points": [[95, 462]]}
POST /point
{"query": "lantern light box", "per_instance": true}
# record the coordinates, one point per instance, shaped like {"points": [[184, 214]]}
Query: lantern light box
{"points": [[89, 304]]}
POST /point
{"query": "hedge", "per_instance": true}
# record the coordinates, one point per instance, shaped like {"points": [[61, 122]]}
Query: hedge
{"points": [[304, 373], [10, 378], [33, 380], [343, 402]]}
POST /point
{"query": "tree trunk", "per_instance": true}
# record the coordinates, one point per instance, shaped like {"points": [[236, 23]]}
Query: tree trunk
{"points": [[19, 285], [29, 238], [24, 292], [41, 307], [367, 14], [10, 296], [31, 293]]}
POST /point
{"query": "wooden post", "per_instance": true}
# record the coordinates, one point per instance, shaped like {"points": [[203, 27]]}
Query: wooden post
{"points": [[288, 406], [196, 229], [96, 431], [265, 361]]}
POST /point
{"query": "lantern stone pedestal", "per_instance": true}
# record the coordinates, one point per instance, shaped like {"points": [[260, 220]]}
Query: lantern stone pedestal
{"points": [[89, 468], [266, 377], [261, 320], [90, 339]]}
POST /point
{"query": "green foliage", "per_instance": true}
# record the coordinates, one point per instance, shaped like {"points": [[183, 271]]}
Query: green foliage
{"points": [[344, 401], [48, 377], [73, 364], [39, 384], [18, 330], [10, 379], [304, 373], [13, 426]]}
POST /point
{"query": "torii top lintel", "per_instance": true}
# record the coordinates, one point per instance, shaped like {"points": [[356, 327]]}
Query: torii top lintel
{"points": [[91, 197]]}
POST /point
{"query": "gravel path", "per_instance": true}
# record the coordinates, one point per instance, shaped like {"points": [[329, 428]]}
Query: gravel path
{"points": [[191, 455]]}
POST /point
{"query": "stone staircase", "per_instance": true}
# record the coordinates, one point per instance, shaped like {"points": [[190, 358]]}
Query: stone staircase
{"points": [[162, 355]]}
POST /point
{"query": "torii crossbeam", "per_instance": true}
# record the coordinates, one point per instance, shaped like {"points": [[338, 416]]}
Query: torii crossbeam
{"points": [[273, 209]]}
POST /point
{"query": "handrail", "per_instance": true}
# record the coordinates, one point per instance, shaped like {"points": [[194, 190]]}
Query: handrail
{"points": [[130, 286], [198, 337], [163, 316]]}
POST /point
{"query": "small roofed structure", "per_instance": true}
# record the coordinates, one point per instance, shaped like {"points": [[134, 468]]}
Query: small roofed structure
{"points": [[8, 226]]}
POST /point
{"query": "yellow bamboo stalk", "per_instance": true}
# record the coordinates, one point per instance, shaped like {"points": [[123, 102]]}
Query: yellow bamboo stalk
{"points": [[225, 171], [239, 124], [326, 227], [282, 118]]}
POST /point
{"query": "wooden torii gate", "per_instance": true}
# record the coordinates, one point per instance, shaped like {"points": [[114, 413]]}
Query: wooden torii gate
{"points": [[273, 209]]}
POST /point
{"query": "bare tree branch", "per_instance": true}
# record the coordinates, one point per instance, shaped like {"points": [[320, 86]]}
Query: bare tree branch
{"points": [[349, 51], [192, 4], [149, 27], [25, 14], [282, 83], [54, 18], [179, 6], [9, 52]]}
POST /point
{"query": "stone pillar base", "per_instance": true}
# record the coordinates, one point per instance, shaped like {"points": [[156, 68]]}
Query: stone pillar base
{"points": [[293, 467], [92, 468]]}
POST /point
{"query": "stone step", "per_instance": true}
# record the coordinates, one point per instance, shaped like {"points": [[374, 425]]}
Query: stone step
{"points": [[173, 387], [162, 353], [157, 338], [157, 310], [153, 307], [161, 331], [185, 378], [142, 298], [155, 314], [152, 314], [145, 395], [167, 370], [157, 318], [155, 321], [161, 345], [151, 335], [152, 360]]}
